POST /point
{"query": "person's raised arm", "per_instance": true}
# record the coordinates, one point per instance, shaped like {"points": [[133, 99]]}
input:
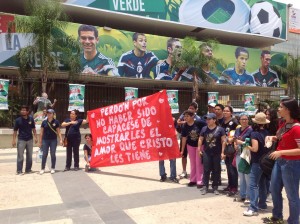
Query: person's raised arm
{"points": [[54, 102], [36, 100]]}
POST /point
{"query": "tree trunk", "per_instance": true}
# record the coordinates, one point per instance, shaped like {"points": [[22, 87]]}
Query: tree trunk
{"points": [[44, 78], [195, 87]]}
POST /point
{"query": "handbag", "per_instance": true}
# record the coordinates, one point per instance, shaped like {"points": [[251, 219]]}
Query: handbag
{"points": [[229, 150], [266, 164]]}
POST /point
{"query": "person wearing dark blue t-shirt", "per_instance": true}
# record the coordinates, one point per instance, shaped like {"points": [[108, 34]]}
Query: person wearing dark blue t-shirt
{"points": [[24, 126], [258, 189], [190, 134], [138, 62], [179, 124], [212, 137], [73, 136], [48, 139], [238, 75]]}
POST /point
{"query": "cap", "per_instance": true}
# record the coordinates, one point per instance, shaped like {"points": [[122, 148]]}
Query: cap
{"points": [[212, 104], [51, 111], [210, 116]]}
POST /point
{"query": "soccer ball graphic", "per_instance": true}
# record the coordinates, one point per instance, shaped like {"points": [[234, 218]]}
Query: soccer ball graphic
{"points": [[264, 19], [229, 15]]}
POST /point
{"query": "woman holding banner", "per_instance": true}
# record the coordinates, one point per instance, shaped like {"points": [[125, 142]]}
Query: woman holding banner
{"points": [[73, 136]]}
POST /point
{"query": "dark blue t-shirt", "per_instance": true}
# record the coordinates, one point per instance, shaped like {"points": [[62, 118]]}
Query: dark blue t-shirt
{"points": [[230, 126], [73, 130], [212, 140], [260, 137], [25, 127], [88, 149], [192, 132], [49, 131]]}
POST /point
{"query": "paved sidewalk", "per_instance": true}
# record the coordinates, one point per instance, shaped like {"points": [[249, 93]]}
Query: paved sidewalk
{"points": [[120, 194]]}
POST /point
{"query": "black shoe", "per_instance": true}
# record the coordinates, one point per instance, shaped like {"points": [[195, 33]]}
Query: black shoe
{"points": [[231, 193], [174, 180], [163, 179], [76, 168], [271, 220], [66, 169], [226, 188], [192, 184], [28, 171]]}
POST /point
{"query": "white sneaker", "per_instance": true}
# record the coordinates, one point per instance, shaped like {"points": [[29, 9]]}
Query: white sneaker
{"points": [[249, 212], [52, 171], [42, 172], [183, 175], [247, 202]]}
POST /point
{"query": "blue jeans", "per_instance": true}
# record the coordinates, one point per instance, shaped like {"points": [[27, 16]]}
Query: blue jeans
{"points": [[286, 173], [258, 189], [162, 171], [46, 144], [21, 146], [244, 181]]}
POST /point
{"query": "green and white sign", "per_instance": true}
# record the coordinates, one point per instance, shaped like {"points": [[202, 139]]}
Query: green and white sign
{"points": [[266, 18], [249, 104], [173, 101], [76, 97], [3, 94], [213, 97], [283, 97], [131, 93]]}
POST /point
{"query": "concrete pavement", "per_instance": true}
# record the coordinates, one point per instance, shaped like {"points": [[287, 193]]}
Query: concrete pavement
{"points": [[120, 194]]}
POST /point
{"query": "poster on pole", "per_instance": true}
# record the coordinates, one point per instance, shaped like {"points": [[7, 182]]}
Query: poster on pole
{"points": [[249, 104], [212, 98], [134, 131], [131, 93], [173, 101], [294, 20], [4, 94], [76, 97]]}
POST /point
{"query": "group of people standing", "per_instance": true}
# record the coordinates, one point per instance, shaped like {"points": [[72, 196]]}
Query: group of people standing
{"points": [[49, 132], [205, 141]]}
